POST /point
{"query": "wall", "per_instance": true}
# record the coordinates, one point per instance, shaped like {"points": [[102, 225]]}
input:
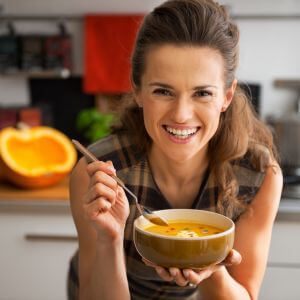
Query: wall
{"points": [[269, 48]]}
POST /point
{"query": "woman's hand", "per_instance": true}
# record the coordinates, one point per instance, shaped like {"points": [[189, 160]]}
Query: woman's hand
{"points": [[182, 277], [105, 203]]}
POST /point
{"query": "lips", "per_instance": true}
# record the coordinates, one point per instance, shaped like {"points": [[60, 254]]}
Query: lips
{"points": [[182, 132]]}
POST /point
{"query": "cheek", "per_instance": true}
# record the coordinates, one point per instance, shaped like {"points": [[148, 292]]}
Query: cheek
{"points": [[148, 113], [211, 122], [210, 115], [151, 117], [217, 106], [153, 111]]}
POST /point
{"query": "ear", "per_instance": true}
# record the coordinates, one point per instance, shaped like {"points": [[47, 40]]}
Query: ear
{"points": [[229, 95], [138, 100], [135, 93]]}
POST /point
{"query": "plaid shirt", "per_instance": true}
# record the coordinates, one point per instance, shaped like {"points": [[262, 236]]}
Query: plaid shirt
{"points": [[133, 168]]}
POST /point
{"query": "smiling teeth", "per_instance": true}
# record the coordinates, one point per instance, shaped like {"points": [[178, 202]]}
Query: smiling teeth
{"points": [[181, 133]]}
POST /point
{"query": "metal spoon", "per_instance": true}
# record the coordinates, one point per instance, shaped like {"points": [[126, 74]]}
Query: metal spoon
{"points": [[147, 213]]}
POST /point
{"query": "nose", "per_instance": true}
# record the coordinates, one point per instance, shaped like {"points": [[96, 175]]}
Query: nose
{"points": [[183, 110]]}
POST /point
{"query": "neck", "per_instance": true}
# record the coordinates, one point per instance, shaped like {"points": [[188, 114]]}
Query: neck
{"points": [[170, 172]]}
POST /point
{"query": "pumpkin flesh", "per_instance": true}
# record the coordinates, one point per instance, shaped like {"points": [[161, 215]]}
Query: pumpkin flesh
{"points": [[36, 157], [43, 152]]}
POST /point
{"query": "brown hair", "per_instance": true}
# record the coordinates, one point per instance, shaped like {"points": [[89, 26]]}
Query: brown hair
{"points": [[205, 23]]}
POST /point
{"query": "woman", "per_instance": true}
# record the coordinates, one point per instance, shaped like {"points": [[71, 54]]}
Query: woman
{"points": [[189, 139]]}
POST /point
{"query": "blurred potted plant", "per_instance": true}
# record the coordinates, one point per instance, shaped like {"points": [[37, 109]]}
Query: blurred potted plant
{"points": [[93, 124]]}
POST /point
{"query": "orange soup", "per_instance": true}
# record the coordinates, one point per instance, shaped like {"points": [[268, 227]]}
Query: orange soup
{"points": [[184, 229]]}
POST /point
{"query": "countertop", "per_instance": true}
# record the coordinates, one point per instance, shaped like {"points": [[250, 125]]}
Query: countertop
{"points": [[56, 193], [59, 195]]}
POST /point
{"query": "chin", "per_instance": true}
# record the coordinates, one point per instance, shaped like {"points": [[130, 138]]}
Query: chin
{"points": [[181, 157]]}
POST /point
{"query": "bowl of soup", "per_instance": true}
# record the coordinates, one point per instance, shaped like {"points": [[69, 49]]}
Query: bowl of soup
{"points": [[193, 238]]}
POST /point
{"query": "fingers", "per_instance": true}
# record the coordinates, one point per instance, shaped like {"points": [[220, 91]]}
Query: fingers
{"points": [[195, 277], [101, 183], [168, 275], [106, 167], [178, 277], [111, 164], [233, 258], [102, 187], [101, 205], [164, 274], [101, 176], [121, 194], [149, 263]]}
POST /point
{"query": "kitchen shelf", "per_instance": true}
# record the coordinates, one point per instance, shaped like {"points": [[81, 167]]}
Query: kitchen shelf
{"points": [[62, 73], [79, 18], [287, 83], [266, 17], [42, 17], [291, 206]]}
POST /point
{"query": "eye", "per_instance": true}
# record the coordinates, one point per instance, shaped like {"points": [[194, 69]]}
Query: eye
{"points": [[203, 93], [162, 91]]}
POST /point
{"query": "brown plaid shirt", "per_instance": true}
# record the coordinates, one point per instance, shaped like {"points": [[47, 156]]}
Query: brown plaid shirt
{"points": [[133, 168]]}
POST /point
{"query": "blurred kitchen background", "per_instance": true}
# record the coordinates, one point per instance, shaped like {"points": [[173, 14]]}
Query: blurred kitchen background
{"points": [[51, 73]]}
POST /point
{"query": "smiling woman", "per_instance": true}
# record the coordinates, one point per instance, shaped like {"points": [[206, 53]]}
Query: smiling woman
{"points": [[187, 138], [182, 90]]}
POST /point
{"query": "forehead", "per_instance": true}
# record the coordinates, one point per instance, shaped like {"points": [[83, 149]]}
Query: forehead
{"points": [[189, 63]]}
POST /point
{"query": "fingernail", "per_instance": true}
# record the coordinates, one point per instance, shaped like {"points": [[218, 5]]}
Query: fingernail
{"points": [[111, 166], [159, 270], [112, 169], [186, 273], [173, 272]]}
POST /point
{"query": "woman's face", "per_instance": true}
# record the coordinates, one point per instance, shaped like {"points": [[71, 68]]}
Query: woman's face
{"points": [[182, 95]]}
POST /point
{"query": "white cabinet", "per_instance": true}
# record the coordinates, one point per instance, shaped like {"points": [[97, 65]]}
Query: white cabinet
{"points": [[282, 278], [38, 239], [37, 242], [281, 284]]}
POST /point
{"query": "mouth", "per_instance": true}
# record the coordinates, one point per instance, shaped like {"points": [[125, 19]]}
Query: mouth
{"points": [[181, 133]]}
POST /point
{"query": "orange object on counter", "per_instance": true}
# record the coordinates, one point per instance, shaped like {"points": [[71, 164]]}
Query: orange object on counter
{"points": [[35, 157], [109, 40]]}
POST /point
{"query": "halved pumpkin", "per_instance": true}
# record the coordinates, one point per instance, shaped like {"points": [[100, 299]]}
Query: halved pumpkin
{"points": [[35, 157]]}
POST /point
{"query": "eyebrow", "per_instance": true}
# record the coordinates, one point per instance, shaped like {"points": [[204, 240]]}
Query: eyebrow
{"points": [[199, 87]]}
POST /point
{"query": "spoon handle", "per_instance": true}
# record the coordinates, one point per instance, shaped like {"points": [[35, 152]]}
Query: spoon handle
{"points": [[91, 156]]}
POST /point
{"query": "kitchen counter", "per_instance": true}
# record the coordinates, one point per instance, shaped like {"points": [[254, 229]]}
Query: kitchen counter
{"points": [[55, 193], [59, 195]]}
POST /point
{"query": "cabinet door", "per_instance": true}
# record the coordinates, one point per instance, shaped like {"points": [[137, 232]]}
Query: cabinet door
{"points": [[36, 246], [285, 243], [282, 278], [281, 284]]}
